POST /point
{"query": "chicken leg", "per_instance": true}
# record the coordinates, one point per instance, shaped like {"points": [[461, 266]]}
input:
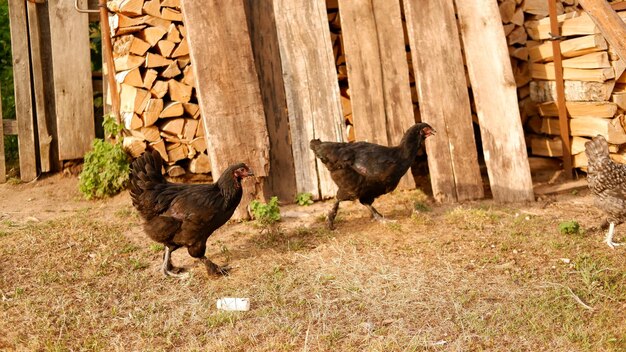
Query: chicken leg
{"points": [[609, 236], [332, 214], [167, 267], [378, 216]]}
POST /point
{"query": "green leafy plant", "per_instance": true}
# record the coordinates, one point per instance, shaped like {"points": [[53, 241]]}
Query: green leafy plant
{"points": [[304, 199], [266, 213], [106, 167], [569, 228]]}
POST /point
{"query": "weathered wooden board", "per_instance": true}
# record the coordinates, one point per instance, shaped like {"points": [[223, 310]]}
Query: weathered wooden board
{"points": [[45, 138], [3, 166], [495, 93], [22, 79], [281, 182], [311, 87], [73, 92], [609, 22], [228, 90], [444, 100], [378, 71]]}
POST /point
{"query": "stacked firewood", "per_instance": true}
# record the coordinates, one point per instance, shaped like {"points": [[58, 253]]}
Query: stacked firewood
{"points": [[334, 21], [594, 88], [158, 102]]}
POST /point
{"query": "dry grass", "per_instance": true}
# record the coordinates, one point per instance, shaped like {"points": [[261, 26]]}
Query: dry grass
{"points": [[471, 277]]}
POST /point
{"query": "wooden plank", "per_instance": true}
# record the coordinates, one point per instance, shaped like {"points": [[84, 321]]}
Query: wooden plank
{"points": [[220, 49], [3, 166], [10, 127], [23, 98], [281, 182], [436, 48], [71, 59], [609, 22], [311, 87], [378, 72], [494, 91], [45, 138]]}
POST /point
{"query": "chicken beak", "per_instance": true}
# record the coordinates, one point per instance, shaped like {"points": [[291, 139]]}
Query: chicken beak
{"points": [[430, 132]]}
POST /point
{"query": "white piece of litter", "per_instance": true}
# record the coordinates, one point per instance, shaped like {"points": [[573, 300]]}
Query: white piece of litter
{"points": [[233, 303]]}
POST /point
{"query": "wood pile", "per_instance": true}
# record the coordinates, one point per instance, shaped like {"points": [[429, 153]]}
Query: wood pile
{"points": [[334, 22], [156, 83], [595, 87]]}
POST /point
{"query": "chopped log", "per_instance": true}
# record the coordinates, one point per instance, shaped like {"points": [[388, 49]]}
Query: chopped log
{"points": [[131, 120], [546, 71], [130, 77], [156, 60], [538, 164], [182, 49], [152, 35], [128, 62], [133, 99], [517, 36], [152, 8], [183, 61], [569, 48], [544, 91], [173, 35], [159, 89], [200, 130], [152, 111], [610, 23], [589, 61], [165, 47], [159, 145], [118, 23], [519, 53], [501, 129], [199, 144], [620, 100], [170, 139], [171, 3], [189, 131], [175, 170], [580, 109], [521, 73], [171, 71], [177, 153], [508, 28], [158, 22], [611, 129], [182, 30], [507, 10], [134, 146], [539, 7], [573, 23], [552, 146], [518, 17], [149, 76], [151, 133], [188, 77], [172, 109], [192, 109], [200, 164], [436, 48], [129, 44], [171, 14], [126, 7]]}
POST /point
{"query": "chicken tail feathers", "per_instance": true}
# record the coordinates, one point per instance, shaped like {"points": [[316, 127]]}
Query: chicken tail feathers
{"points": [[145, 176], [597, 149]]}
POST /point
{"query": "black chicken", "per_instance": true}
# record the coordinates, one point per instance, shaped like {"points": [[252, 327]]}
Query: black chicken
{"points": [[365, 171], [607, 181], [178, 215]]}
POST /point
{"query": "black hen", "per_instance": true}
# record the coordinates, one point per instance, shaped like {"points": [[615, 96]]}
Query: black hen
{"points": [[607, 181], [365, 171], [178, 215]]}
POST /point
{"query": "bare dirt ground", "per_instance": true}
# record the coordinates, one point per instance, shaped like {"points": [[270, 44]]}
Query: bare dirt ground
{"points": [[81, 275]]}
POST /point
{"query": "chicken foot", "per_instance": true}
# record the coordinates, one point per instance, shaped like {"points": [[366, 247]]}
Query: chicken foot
{"points": [[609, 236], [376, 215], [214, 269], [167, 268]]}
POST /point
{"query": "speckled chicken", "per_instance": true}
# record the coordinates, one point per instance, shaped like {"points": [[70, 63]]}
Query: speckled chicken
{"points": [[365, 171], [607, 181], [183, 215]]}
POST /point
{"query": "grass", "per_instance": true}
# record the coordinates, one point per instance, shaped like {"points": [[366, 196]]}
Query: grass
{"points": [[481, 278]]}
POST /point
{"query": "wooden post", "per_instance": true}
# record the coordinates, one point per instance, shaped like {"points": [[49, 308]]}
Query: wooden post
{"points": [[444, 100], [495, 96], [3, 166], [228, 90], [281, 182], [71, 60], [311, 87], [23, 98], [107, 55], [560, 91], [378, 71], [45, 138]]}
